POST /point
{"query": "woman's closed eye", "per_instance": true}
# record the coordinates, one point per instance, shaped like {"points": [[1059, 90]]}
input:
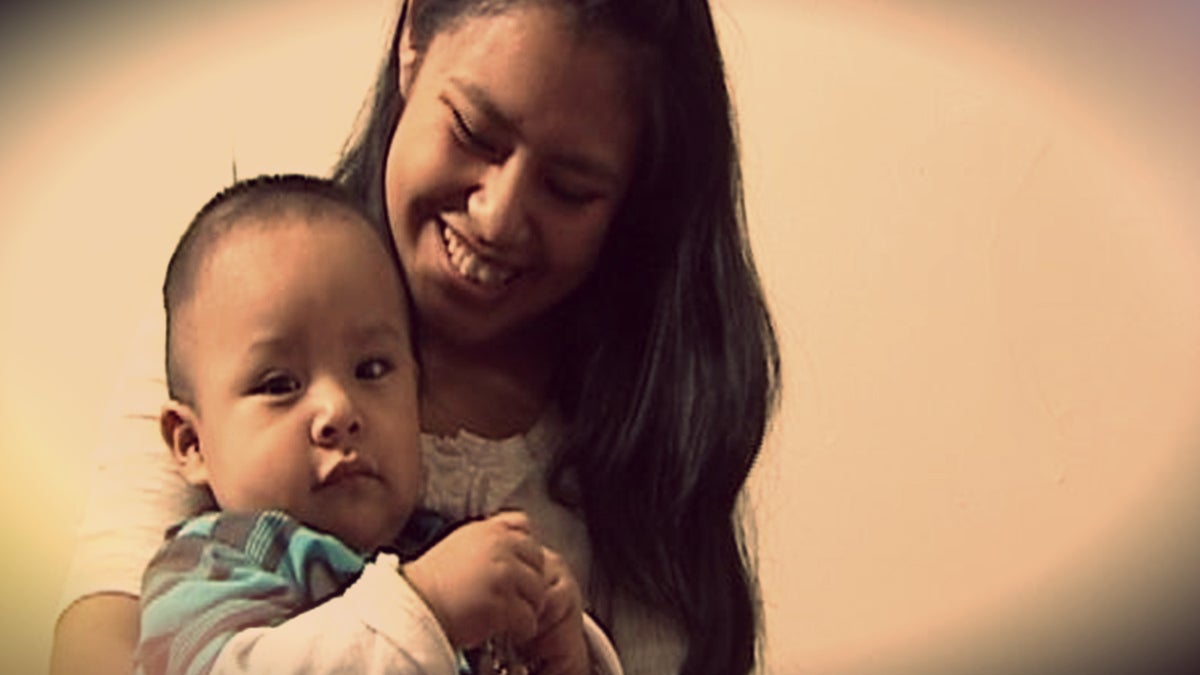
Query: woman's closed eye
{"points": [[276, 384], [571, 194], [373, 369], [471, 138]]}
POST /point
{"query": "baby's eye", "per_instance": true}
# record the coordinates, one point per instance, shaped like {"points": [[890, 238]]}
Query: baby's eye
{"points": [[277, 384], [372, 369]]}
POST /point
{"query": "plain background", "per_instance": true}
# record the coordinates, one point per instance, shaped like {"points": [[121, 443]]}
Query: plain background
{"points": [[978, 227]]}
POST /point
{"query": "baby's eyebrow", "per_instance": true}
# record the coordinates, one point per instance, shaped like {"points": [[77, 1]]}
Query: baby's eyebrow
{"points": [[271, 344], [378, 332]]}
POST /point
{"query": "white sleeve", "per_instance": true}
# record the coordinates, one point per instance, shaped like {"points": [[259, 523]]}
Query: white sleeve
{"points": [[604, 655], [649, 642], [379, 625], [135, 493]]}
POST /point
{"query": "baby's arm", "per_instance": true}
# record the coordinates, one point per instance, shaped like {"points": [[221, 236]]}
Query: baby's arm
{"points": [[379, 625], [216, 598], [257, 592], [481, 580]]}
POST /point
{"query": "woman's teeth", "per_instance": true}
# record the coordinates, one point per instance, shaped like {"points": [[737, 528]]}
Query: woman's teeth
{"points": [[471, 265]]}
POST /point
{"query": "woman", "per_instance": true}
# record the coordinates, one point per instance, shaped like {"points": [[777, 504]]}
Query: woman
{"points": [[560, 181]]}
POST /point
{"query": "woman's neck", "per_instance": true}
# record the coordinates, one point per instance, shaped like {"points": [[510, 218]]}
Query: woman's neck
{"points": [[496, 390]]}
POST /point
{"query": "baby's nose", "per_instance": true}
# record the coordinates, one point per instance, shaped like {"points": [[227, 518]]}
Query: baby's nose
{"points": [[336, 420]]}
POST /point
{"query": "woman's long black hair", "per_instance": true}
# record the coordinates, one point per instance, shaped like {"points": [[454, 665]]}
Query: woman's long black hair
{"points": [[674, 367]]}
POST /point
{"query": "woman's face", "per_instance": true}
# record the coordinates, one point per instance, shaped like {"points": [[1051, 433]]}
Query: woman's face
{"points": [[513, 153]]}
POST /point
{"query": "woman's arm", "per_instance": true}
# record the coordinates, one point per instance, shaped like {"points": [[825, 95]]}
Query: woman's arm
{"points": [[96, 634], [134, 495]]}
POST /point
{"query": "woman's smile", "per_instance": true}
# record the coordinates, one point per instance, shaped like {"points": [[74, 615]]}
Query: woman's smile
{"points": [[473, 266]]}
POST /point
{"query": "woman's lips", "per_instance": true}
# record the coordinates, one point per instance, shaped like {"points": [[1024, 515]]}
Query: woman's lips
{"points": [[472, 266]]}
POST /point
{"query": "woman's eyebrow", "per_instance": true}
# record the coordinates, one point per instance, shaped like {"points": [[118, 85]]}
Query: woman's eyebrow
{"points": [[481, 100], [586, 167]]}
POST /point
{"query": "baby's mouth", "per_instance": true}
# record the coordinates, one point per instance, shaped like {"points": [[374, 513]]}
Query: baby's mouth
{"points": [[473, 266], [346, 470]]}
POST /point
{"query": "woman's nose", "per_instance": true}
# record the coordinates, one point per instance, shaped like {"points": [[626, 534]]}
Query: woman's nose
{"points": [[499, 204], [337, 419]]}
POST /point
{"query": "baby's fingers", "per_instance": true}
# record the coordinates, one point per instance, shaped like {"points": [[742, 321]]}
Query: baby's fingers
{"points": [[522, 622], [562, 594], [520, 538], [527, 601]]}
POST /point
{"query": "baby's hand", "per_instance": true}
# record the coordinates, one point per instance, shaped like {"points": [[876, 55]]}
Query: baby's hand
{"points": [[560, 647], [484, 579]]}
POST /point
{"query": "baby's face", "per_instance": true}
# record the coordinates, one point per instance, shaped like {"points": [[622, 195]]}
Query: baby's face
{"points": [[305, 384]]}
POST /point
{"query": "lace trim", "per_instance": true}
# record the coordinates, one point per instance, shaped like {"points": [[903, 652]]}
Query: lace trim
{"points": [[469, 475]]}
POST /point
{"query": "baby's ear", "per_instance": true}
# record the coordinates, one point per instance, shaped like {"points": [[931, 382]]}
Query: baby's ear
{"points": [[180, 429]]}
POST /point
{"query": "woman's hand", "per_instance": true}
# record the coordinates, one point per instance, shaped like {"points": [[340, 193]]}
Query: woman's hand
{"points": [[559, 647], [484, 579], [97, 634]]}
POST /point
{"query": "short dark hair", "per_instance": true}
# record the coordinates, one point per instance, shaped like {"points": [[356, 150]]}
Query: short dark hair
{"points": [[258, 201]]}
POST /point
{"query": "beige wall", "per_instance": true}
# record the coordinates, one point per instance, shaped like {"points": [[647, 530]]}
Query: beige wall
{"points": [[978, 228]]}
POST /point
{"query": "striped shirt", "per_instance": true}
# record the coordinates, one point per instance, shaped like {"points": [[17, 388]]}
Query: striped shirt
{"points": [[223, 572]]}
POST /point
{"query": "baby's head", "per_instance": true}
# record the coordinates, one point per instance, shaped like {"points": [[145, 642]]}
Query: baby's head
{"points": [[290, 363]]}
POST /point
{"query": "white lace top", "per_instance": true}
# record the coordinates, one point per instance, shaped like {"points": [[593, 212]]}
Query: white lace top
{"points": [[135, 495]]}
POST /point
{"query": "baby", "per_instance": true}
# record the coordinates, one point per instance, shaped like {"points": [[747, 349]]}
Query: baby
{"points": [[293, 387]]}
